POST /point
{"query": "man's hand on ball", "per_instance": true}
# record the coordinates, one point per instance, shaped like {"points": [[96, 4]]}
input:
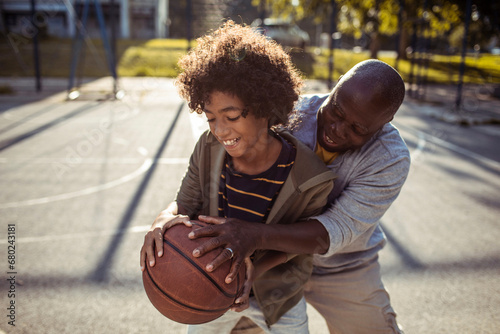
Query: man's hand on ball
{"points": [[241, 303], [240, 236]]}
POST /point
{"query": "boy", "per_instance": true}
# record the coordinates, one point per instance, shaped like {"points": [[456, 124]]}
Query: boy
{"points": [[244, 168]]}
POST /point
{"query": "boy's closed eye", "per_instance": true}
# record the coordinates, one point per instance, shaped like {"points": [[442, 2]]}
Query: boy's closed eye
{"points": [[231, 119]]}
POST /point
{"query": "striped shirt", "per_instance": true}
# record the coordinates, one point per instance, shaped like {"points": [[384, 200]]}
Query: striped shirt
{"points": [[251, 197]]}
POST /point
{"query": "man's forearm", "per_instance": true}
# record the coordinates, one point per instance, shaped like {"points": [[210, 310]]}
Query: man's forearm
{"points": [[309, 237]]}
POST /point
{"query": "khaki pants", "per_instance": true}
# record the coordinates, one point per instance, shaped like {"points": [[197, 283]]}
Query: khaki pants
{"points": [[352, 302]]}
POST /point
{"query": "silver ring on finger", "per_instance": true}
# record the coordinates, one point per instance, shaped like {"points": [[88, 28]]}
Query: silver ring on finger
{"points": [[231, 251]]}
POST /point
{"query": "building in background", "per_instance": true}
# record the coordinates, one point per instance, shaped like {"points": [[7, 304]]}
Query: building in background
{"points": [[135, 19]]}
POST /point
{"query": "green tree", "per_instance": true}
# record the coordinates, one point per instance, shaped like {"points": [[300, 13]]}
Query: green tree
{"points": [[435, 19]]}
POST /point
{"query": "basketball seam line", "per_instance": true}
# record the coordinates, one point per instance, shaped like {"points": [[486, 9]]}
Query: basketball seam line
{"points": [[202, 271], [178, 302]]}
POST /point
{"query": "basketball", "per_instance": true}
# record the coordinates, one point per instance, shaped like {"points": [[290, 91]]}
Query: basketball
{"points": [[179, 286]]}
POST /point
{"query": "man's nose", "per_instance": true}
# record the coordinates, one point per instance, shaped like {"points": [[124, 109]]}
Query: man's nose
{"points": [[339, 128]]}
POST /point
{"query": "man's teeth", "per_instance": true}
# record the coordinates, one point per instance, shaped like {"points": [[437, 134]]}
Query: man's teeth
{"points": [[230, 142], [329, 140]]}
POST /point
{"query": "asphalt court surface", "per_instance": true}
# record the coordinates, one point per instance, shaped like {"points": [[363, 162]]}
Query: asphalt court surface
{"points": [[83, 180]]}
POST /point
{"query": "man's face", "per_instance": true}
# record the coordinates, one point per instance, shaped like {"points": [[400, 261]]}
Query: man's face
{"points": [[351, 116]]}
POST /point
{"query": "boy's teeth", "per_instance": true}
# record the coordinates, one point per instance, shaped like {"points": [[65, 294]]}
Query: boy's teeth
{"points": [[329, 140], [230, 142]]}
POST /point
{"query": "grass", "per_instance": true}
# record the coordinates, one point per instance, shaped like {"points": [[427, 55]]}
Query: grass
{"points": [[482, 69], [158, 57]]}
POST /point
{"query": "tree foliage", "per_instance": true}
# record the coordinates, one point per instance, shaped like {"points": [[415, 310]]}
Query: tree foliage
{"points": [[433, 18]]}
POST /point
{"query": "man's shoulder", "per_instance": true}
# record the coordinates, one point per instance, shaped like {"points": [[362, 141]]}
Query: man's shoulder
{"points": [[310, 103], [390, 136], [386, 143]]}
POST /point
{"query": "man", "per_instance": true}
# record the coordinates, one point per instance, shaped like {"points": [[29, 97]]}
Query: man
{"points": [[350, 130]]}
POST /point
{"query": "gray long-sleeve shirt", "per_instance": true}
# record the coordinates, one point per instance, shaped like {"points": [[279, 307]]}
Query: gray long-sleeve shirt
{"points": [[369, 180]]}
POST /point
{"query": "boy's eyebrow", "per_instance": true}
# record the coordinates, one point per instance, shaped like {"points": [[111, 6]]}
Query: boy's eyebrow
{"points": [[226, 109]]}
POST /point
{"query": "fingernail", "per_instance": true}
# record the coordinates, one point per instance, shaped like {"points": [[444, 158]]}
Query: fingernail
{"points": [[210, 267], [191, 235], [160, 253], [151, 263], [142, 268], [229, 280], [196, 252], [189, 223]]}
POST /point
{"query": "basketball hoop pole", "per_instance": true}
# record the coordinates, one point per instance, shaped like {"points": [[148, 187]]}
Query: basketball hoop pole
{"points": [[458, 101], [77, 43]]}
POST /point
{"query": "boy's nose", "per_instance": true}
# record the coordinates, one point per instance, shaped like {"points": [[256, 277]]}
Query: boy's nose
{"points": [[220, 130]]}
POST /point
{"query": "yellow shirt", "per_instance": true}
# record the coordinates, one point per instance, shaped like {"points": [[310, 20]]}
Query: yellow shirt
{"points": [[324, 155]]}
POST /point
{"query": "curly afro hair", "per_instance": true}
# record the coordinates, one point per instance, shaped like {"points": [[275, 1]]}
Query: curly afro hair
{"points": [[237, 60]]}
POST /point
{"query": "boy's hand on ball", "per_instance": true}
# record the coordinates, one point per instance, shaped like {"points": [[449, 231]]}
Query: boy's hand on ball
{"points": [[154, 238]]}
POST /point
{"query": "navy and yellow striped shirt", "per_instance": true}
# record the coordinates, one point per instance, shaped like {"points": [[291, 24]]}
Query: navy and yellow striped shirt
{"points": [[250, 197]]}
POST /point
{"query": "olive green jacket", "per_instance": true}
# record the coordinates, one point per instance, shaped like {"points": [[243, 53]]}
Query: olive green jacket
{"points": [[304, 194]]}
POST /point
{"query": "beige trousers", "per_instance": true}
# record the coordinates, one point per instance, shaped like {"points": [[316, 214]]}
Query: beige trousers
{"points": [[352, 302]]}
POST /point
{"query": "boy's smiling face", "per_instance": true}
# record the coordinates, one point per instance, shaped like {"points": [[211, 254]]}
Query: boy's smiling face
{"points": [[242, 137]]}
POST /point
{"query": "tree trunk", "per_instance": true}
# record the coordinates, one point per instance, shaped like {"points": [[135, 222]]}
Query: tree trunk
{"points": [[374, 45], [404, 42]]}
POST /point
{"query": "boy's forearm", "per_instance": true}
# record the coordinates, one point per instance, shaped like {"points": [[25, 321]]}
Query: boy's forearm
{"points": [[309, 237]]}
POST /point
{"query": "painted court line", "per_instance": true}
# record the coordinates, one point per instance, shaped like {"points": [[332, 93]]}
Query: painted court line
{"points": [[50, 238], [425, 137], [91, 190]]}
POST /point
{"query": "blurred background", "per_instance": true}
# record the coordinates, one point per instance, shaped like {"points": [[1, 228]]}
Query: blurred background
{"points": [[94, 141], [427, 41]]}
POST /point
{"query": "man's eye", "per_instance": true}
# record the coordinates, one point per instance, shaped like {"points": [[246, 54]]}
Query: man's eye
{"points": [[210, 120], [335, 112], [359, 131]]}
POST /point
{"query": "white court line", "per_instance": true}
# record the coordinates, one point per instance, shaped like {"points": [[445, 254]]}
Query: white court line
{"points": [[420, 148], [145, 166], [91, 190], [457, 149], [49, 238], [92, 161], [198, 125]]}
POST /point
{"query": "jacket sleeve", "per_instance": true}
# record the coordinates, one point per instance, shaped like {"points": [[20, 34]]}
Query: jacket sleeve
{"points": [[189, 195], [373, 186]]}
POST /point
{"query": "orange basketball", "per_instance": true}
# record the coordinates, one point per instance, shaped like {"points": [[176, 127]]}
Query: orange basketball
{"points": [[180, 287]]}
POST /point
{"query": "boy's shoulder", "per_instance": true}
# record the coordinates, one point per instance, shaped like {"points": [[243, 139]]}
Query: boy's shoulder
{"points": [[306, 161]]}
